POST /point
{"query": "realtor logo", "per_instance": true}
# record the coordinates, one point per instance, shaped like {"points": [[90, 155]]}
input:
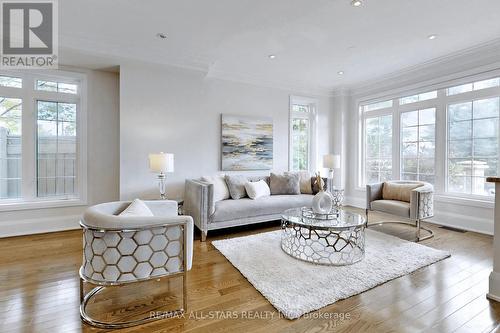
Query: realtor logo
{"points": [[28, 34]]}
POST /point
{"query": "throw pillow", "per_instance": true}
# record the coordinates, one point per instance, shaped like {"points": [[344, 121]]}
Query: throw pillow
{"points": [[137, 208], [221, 192], [305, 181], [285, 184], [399, 192], [236, 186], [257, 189]]}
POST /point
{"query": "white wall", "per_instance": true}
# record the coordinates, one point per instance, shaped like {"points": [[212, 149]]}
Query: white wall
{"points": [[102, 166], [179, 111]]}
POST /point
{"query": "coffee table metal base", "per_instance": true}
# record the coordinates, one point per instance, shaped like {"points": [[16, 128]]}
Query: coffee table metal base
{"points": [[325, 247]]}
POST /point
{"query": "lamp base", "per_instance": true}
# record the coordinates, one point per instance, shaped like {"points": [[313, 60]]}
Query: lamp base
{"points": [[162, 186]]}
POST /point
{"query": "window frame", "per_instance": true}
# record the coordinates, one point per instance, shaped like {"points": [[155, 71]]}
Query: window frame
{"points": [[30, 95], [418, 158], [441, 153], [368, 115], [466, 99], [312, 103]]}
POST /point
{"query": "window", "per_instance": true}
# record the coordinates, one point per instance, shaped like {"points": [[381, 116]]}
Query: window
{"points": [[56, 148], [418, 97], [10, 147], [447, 134], [9, 81], [302, 127], [479, 85], [56, 86], [418, 145], [378, 149], [42, 160], [377, 106], [473, 146]]}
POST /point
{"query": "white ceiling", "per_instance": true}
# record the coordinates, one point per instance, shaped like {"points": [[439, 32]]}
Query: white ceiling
{"points": [[312, 39]]}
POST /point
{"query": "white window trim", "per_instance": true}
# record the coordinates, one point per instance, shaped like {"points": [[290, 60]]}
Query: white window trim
{"points": [[440, 103], [29, 137], [313, 139]]}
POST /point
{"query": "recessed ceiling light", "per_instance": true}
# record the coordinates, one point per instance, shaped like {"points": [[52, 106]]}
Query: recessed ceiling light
{"points": [[431, 37], [272, 56], [161, 35], [356, 3], [340, 72]]}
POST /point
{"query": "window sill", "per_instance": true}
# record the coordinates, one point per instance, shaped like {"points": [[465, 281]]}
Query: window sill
{"points": [[41, 204]]}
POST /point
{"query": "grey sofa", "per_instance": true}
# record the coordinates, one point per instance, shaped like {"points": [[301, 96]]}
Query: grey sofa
{"points": [[209, 215]]}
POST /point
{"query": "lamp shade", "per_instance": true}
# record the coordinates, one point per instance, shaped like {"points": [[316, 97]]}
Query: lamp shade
{"points": [[161, 162], [331, 161]]}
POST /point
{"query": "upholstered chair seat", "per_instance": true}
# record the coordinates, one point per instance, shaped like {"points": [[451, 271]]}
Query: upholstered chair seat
{"points": [[394, 207]]}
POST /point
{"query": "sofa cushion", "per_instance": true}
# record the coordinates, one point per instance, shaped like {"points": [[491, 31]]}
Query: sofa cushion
{"points": [[236, 186], [304, 181], [394, 207], [285, 184], [258, 189], [398, 191], [246, 208], [221, 192]]}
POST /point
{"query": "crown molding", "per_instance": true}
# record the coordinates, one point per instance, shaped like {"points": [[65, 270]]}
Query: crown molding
{"points": [[275, 84], [483, 57]]}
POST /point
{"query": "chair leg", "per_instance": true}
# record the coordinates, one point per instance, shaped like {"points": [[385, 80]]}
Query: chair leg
{"points": [[366, 213], [417, 224], [204, 234], [81, 291]]}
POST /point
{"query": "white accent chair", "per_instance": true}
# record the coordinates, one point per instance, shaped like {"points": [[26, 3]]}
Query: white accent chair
{"points": [[127, 249], [419, 207]]}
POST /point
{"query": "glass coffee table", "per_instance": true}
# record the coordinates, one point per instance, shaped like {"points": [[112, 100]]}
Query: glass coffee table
{"points": [[335, 239]]}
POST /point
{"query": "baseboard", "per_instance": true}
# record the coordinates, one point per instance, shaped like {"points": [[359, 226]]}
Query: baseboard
{"points": [[469, 223], [38, 225], [355, 202]]}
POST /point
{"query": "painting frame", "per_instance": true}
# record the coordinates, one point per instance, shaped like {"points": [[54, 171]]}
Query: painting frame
{"points": [[247, 142]]}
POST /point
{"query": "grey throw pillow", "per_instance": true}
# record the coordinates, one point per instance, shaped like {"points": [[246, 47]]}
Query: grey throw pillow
{"points": [[285, 184], [236, 186]]}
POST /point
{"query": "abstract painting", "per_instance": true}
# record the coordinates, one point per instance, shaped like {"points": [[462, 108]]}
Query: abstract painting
{"points": [[247, 143]]}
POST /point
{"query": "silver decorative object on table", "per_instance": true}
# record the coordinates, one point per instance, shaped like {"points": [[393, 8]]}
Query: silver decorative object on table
{"points": [[337, 196], [338, 239]]}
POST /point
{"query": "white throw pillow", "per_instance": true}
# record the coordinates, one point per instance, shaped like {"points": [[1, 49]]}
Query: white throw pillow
{"points": [[221, 192], [257, 189], [137, 208]]}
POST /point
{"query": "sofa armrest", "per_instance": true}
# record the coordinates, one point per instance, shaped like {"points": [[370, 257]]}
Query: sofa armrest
{"points": [[422, 202], [198, 202], [373, 192]]}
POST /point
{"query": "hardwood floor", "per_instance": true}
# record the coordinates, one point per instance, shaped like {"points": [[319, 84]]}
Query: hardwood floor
{"points": [[39, 292]]}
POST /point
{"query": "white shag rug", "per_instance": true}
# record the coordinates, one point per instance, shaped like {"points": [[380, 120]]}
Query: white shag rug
{"points": [[296, 287]]}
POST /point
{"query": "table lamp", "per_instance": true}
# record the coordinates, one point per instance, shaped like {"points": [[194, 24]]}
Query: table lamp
{"points": [[161, 163], [331, 162]]}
